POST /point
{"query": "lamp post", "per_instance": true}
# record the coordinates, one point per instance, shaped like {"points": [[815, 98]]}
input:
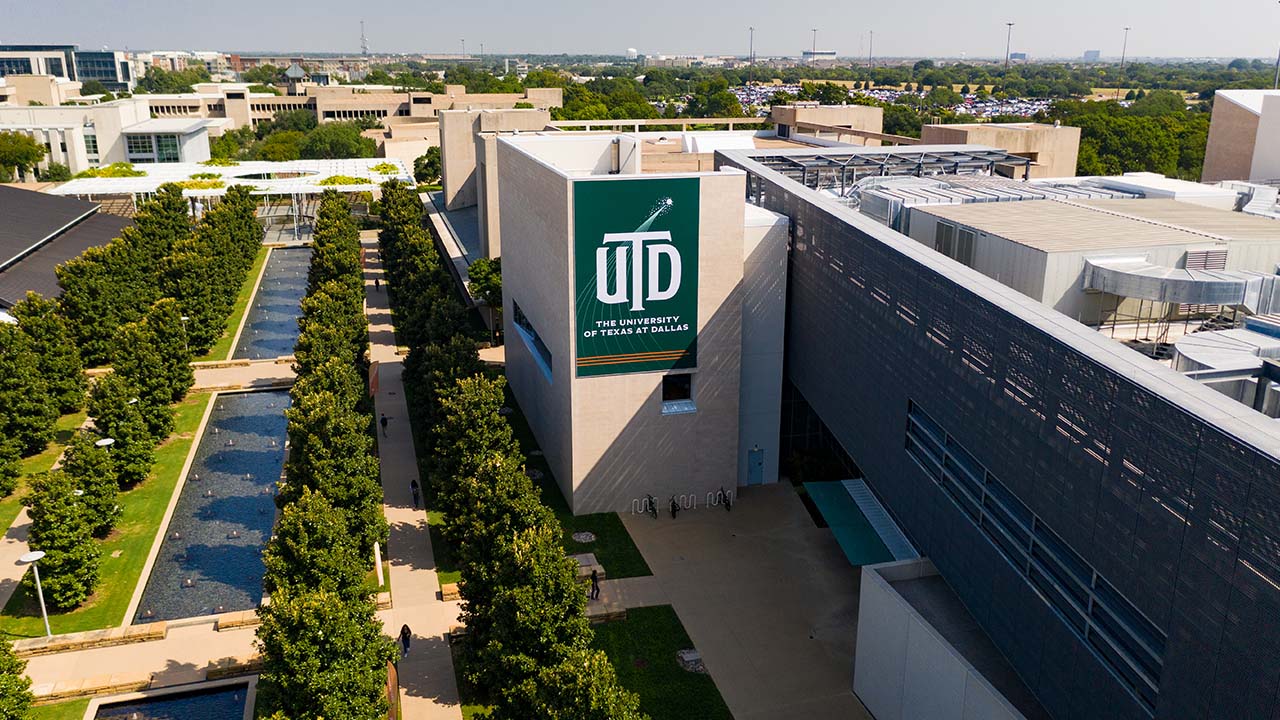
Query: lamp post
{"points": [[1124, 49], [185, 340], [1277, 84], [32, 558], [813, 57], [1008, 45], [871, 46], [751, 54], [464, 47]]}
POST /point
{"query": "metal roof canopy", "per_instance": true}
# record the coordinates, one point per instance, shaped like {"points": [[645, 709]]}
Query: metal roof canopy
{"points": [[302, 177], [842, 165]]}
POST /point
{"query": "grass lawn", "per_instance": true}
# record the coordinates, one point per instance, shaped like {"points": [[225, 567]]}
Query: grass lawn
{"points": [[71, 710], [372, 576], [643, 651], [11, 504], [613, 546], [125, 551], [222, 349], [473, 705], [446, 567]]}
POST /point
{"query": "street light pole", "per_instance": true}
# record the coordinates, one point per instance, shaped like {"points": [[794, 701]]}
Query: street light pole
{"points": [[751, 54], [464, 47], [1008, 45], [871, 46], [1277, 84], [1124, 50], [813, 56], [33, 557], [186, 339]]}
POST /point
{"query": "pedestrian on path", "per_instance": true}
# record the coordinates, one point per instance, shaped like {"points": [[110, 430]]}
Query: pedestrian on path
{"points": [[595, 585], [413, 485], [377, 283], [405, 636], [383, 422]]}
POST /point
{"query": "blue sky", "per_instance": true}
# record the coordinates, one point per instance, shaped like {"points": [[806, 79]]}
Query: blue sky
{"points": [[919, 28]]}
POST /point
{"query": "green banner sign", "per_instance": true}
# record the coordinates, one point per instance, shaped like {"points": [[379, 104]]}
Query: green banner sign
{"points": [[636, 274]]}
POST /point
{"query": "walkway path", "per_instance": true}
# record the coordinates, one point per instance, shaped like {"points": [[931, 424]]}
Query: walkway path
{"points": [[428, 687], [427, 681], [12, 547], [255, 374]]}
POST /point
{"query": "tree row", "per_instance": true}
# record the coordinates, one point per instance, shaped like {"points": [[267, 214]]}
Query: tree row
{"points": [[528, 644], [324, 654]]}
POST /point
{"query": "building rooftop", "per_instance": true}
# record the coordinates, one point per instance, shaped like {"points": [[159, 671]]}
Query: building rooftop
{"points": [[839, 167], [294, 177], [30, 219], [1082, 225], [1250, 100], [36, 272], [166, 126], [1024, 126], [1224, 223]]}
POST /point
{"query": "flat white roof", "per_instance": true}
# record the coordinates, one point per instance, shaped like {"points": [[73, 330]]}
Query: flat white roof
{"points": [[169, 126], [1164, 186], [295, 177], [1250, 100]]}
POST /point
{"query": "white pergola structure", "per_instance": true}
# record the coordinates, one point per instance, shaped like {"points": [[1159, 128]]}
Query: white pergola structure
{"points": [[297, 180]]}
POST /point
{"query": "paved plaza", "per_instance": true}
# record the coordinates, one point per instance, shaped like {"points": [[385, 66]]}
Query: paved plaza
{"points": [[765, 595]]}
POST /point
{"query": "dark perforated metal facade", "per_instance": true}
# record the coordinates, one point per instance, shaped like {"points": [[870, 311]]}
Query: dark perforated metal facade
{"points": [[1149, 479]]}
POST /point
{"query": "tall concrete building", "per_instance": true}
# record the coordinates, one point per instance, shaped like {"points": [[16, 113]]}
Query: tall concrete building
{"points": [[1244, 136], [644, 324]]}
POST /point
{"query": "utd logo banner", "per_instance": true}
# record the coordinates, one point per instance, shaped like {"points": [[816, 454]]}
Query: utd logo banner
{"points": [[636, 274]]}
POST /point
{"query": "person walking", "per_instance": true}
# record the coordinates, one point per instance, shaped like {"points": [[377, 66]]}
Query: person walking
{"points": [[413, 486], [405, 636], [595, 585], [377, 283], [383, 421]]}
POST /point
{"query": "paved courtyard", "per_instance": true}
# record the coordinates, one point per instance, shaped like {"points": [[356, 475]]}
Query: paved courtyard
{"points": [[765, 595]]}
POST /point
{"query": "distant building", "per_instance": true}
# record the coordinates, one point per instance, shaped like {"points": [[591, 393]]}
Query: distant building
{"points": [[1052, 149], [819, 58], [1092, 55], [682, 61], [632, 53], [39, 90], [86, 136], [828, 121], [1018, 57], [217, 64], [111, 68], [345, 67]]}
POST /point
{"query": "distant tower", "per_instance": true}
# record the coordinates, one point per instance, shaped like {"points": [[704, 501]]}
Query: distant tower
{"points": [[364, 41], [632, 53]]}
